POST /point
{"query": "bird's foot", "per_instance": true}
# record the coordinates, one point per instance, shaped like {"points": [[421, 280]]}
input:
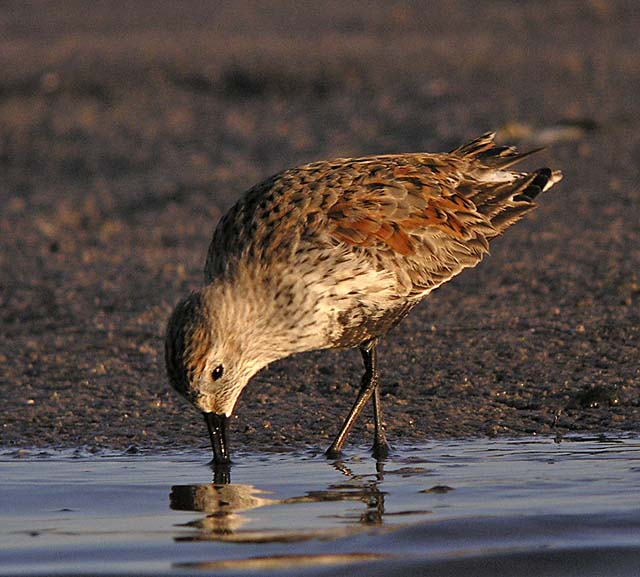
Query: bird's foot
{"points": [[381, 448], [333, 453]]}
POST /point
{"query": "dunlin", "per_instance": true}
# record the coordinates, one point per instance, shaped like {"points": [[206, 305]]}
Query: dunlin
{"points": [[333, 254]]}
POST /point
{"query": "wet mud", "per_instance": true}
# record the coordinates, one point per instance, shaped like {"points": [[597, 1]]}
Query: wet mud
{"points": [[125, 132]]}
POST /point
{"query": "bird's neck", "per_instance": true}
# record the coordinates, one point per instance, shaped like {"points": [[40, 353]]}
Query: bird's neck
{"points": [[268, 321]]}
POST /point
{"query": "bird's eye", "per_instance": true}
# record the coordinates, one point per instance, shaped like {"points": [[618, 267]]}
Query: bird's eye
{"points": [[217, 372]]}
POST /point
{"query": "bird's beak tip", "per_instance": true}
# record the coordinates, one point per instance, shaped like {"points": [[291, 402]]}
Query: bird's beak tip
{"points": [[218, 426]]}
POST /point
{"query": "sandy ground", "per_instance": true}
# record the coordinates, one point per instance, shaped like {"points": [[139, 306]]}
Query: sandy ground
{"points": [[125, 133]]}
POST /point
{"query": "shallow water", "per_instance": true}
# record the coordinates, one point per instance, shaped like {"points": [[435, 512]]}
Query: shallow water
{"points": [[517, 507]]}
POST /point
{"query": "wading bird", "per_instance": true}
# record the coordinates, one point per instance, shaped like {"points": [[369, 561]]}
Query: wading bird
{"points": [[333, 254]]}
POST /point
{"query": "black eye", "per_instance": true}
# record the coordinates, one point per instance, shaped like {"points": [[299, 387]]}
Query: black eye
{"points": [[217, 372]]}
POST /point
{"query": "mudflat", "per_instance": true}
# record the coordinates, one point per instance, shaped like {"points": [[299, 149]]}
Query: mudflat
{"points": [[126, 132]]}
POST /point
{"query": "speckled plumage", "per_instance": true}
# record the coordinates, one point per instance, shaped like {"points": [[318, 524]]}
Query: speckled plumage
{"points": [[334, 253]]}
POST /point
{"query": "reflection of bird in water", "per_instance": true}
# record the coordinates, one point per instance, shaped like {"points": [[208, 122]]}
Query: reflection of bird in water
{"points": [[227, 506], [332, 255], [224, 504], [370, 494]]}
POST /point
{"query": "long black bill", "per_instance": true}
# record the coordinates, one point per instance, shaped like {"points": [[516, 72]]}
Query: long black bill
{"points": [[218, 426]]}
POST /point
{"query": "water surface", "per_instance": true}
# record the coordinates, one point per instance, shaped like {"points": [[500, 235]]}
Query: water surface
{"points": [[515, 507]]}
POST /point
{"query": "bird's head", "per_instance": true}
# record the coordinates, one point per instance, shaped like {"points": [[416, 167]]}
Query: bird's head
{"points": [[207, 364]]}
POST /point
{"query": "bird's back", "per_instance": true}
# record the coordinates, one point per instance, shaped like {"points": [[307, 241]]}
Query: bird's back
{"points": [[377, 233]]}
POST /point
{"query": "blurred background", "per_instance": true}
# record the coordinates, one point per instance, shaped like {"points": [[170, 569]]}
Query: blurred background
{"points": [[127, 129]]}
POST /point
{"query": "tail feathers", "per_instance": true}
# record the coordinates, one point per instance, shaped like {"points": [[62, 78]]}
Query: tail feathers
{"points": [[516, 199], [542, 180], [485, 150], [505, 218], [556, 176], [491, 199], [476, 146], [503, 197]]}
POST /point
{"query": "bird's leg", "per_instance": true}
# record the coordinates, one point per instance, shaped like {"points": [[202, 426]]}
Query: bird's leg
{"points": [[368, 387], [380, 443], [221, 473]]}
